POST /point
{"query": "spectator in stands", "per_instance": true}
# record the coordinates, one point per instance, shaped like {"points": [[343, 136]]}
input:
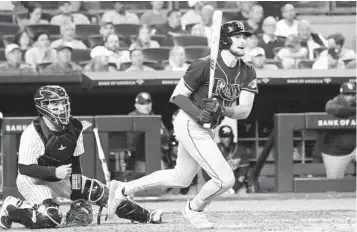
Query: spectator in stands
{"points": [[118, 57], [198, 30], [330, 61], [68, 37], [269, 41], [258, 59], [67, 15], [177, 59], [193, 15], [253, 23], [23, 40], [100, 60], [106, 28], [143, 39], [288, 25], [14, 61], [155, 16], [137, 62], [64, 60], [252, 42], [41, 52], [207, 20], [120, 15], [337, 41], [292, 53], [353, 64], [34, 16], [310, 40], [241, 12], [339, 146]]}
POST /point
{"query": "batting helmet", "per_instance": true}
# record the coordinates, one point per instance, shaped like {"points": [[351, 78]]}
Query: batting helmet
{"points": [[225, 131], [229, 29], [46, 101]]}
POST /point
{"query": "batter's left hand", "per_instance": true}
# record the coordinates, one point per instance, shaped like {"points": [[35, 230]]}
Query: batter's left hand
{"points": [[213, 106]]}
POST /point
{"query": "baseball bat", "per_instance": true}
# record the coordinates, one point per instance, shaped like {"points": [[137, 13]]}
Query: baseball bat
{"points": [[216, 31], [102, 157]]}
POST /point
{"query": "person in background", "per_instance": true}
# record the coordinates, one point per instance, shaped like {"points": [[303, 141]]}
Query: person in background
{"points": [[207, 21], [337, 40], [118, 56], [198, 30], [177, 59], [34, 17], [68, 37], [14, 61], [292, 53], [100, 60], [41, 52], [143, 39], [253, 23], [258, 59], [331, 61], [68, 15], [137, 62], [269, 41], [288, 25], [339, 146], [106, 28], [22, 39], [120, 15], [252, 42], [242, 10], [193, 15], [64, 61], [155, 16]]}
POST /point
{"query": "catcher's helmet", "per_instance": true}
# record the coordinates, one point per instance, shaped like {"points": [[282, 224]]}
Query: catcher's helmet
{"points": [[46, 100], [225, 131], [229, 29]]}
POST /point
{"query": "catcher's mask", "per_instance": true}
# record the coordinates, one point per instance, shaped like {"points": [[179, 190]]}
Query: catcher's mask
{"points": [[52, 101]]}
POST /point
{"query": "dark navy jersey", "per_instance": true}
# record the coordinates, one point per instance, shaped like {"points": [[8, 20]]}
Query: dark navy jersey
{"points": [[227, 84]]}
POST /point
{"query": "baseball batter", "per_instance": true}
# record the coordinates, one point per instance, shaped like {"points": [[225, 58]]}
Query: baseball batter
{"points": [[49, 166], [233, 79]]}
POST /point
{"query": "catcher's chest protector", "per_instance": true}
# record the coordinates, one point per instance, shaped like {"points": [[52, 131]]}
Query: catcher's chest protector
{"points": [[59, 146]]}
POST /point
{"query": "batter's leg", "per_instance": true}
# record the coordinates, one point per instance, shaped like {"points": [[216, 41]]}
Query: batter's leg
{"points": [[33, 190]]}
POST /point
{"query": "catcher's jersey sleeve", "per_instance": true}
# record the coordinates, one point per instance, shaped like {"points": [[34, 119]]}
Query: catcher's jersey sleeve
{"points": [[80, 146], [250, 82], [31, 146], [197, 74]]}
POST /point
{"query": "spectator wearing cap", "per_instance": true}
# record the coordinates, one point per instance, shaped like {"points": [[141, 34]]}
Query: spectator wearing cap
{"points": [[330, 61], [193, 15], [288, 25], [68, 37], [67, 15], [120, 15], [137, 62], [135, 140], [177, 59], [118, 56], [337, 41], [34, 17], [339, 146], [144, 40], [100, 60], [64, 60], [292, 53], [156, 16], [41, 52], [253, 23], [14, 61], [310, 40], [258, 59], [269, 41]]}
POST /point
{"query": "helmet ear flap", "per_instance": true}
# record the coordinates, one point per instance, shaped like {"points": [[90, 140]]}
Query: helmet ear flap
{"points": [[225, 42]]}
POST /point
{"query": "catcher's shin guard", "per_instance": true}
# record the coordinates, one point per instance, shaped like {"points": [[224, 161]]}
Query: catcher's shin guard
{"points": [[129, 209]]}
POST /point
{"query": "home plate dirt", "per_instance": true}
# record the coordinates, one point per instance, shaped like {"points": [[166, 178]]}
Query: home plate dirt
{"points": [[295, 215]]}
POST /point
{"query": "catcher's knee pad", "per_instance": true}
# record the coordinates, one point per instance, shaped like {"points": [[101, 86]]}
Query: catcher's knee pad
{"points": [[131, 210], [94, 191], [40, 216]]}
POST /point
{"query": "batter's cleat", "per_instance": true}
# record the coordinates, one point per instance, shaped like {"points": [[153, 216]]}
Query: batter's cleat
{"points": [[5, 221], [197, 219], [155, 216], [115, 196]]}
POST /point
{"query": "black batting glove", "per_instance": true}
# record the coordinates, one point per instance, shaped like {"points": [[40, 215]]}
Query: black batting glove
{"points": [[213, 106], [204, 117]]}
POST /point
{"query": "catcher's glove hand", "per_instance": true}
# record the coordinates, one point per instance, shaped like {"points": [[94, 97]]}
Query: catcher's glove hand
{"points": [[80, 214]]}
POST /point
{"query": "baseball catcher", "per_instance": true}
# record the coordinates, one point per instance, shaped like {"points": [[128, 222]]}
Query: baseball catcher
{"points": [[49, 166]]}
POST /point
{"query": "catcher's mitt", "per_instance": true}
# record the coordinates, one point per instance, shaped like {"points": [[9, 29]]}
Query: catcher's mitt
{"points": [[80, 214]]}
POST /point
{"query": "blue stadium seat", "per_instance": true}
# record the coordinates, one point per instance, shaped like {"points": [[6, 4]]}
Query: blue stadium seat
{"points": [[80, 55], [8, 29], [158, 54], [6, 17], [83, 31], [2, 55], [49, 28], [306, 64], [196, 52], [127, 29], [159, 38], [190, 40]]}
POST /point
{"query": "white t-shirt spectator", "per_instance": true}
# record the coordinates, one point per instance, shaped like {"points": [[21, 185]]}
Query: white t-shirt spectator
{"points": [[116, 18], [282, 29], [76, 18], [75, 44], [36, 55], [322, 63], [289, 59], [346, 54]]}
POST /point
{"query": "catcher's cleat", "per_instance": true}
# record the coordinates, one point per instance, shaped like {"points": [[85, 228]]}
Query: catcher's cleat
{"points": [[5, 221], [197, 219], [115, 197]]}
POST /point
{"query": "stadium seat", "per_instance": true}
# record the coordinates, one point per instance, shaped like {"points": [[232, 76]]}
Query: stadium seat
{"points": [[306, 64], [2, 55], [159, 38], [275, 62], [150, 63], [80, 55], [276, 50], [317, 51], [158, 54], [50, 29], [189, 27], [196, 52], [347, 61], [127, 29], [6, 17], [9, 29], [190, 40], [83, 31], [7, 39]]}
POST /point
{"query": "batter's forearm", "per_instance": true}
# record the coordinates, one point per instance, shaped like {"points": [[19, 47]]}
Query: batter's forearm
{"points": [[39, 172], [237, 112]]}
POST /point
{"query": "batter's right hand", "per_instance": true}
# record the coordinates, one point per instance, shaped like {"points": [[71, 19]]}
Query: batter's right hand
{"points": [[205, 117], [64, 171]]}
